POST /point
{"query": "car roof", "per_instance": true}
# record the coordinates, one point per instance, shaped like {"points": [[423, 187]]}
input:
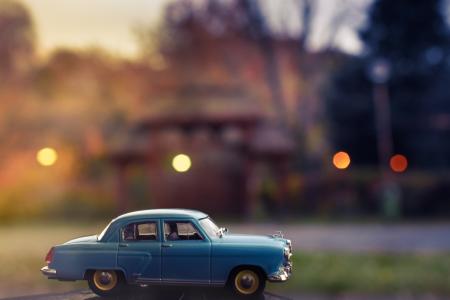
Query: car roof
{"points": [[163, 213]]}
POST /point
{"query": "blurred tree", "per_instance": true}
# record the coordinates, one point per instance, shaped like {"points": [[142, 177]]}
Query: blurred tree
{"points": [[231, 44], [260, 32], [217, 43], [16, 38], [413, 38]]}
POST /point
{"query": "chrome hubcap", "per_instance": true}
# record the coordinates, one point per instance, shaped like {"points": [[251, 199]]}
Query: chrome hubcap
{"points": [[247, 281], [105, 278]]}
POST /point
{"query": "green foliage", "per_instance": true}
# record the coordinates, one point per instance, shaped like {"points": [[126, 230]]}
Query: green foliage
{"points": [[403, 31], [334, 273], [23, 256], [84, 204], [413, 37], [350, 111]]}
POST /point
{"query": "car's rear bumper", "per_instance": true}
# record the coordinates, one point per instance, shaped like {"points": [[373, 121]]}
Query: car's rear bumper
{"points": [[51, 273]]}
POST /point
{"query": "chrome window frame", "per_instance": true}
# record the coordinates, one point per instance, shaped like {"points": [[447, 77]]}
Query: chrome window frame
{"points": [[200, 232], [137, 222]]}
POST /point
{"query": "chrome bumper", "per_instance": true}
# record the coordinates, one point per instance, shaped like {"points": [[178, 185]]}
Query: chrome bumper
{"points": [[48, 272], [281, 275], [284, 272]]}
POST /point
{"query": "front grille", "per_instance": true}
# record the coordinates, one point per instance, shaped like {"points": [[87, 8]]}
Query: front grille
{"points": [[288, 263]]}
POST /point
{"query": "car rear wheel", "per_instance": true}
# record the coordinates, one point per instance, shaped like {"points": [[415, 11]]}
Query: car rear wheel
{"points": [[247, 283], [106, 282]]}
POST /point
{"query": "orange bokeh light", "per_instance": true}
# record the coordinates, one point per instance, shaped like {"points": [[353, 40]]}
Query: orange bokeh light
{"points": [[341, 160], [399, 163]]}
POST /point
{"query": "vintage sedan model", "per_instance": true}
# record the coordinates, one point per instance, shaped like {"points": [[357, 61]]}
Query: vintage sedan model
{"points": [[171, 246]]}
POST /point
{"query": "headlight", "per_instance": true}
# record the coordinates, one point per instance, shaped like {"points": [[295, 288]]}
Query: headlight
{"points": [[289, 243]]}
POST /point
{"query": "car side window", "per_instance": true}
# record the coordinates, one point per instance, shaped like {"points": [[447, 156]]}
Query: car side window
{"points": [[142, 231], [180, 230]]}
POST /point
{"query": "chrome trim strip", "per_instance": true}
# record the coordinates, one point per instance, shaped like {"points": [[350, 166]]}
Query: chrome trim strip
{"points": [[178, 282], [218, 283]]}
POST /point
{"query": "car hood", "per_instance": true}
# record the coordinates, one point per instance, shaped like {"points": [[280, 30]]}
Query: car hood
{"points": [[251, 239], [83, 239]]}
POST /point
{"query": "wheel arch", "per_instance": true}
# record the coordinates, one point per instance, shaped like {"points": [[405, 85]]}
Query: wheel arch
{"points": [[237, 268], [120, 272]]}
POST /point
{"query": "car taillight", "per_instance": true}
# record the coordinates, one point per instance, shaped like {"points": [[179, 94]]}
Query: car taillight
{"points": [[49, 256]]}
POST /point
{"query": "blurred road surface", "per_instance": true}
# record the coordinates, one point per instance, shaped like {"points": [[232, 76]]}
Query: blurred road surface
{"points": [[87, 295], [398, 238], [167, 294]]}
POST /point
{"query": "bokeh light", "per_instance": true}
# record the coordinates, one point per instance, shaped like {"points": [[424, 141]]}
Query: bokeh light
{"points": [[181, 163], [341, 160], [399, 163], [47, 156]]}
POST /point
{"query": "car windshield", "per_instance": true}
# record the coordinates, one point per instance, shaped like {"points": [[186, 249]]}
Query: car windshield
{"points": [[210, 227], [100, 236]]}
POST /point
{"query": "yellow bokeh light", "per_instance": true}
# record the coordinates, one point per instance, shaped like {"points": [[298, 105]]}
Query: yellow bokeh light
{"points": [[46, 156], [341, 160], [181, 163]]}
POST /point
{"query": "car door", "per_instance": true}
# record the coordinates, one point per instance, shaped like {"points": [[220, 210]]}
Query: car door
{"points": [[139, 251], [185, 252]]}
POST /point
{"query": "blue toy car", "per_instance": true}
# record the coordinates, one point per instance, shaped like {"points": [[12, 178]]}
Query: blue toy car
{"points": [[171, 247]]}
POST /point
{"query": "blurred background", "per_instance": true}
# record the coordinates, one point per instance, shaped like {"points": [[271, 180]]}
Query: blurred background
{"points": [[328, 118]]}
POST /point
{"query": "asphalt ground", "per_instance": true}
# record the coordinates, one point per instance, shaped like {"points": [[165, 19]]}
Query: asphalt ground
{"points": [[175, 294], [166, 294]]}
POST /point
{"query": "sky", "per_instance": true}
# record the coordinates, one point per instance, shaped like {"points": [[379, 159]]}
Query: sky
{"points": [[109, 24], [92, 23]]}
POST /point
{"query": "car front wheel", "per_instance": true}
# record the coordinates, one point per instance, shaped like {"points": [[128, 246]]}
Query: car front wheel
{"points": [[247, 283], [105, 282]]}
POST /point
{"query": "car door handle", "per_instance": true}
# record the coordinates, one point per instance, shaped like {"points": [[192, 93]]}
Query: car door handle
{"points": [[123, 245], [166, 245]]}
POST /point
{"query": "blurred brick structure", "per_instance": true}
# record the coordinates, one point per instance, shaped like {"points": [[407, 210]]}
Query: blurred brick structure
{"points": [[226, 147]]}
